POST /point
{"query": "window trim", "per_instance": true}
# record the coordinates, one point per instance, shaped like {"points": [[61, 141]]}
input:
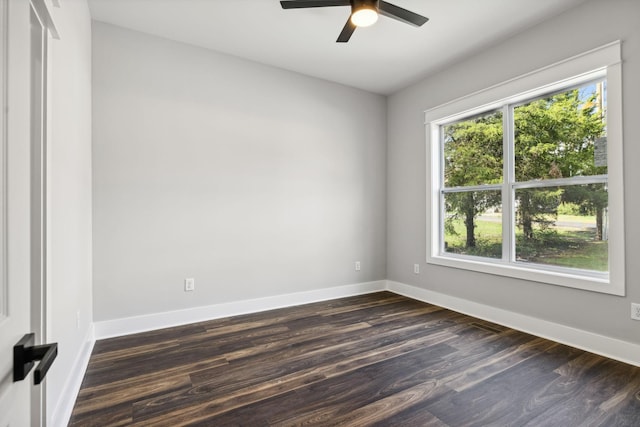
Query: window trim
{"points": [[602, 61]]}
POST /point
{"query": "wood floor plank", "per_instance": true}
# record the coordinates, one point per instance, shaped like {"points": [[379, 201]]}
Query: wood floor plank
{"points": [[507, 398], [383, 410], [333, 348], [129, 392], [117, 415], [627, 414], [145, 338], [98, 397], [498, 363], [413, 416], [378, 359], [283, 341], [340, 397], [600, 389], [108, 357], [226, 388]]}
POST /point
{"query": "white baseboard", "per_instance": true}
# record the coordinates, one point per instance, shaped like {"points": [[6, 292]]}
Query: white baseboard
{"points": [[62, 412], [131, 325], [599, 344]]}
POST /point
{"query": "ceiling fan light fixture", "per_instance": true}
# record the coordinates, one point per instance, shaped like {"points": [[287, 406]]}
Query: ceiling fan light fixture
{"points": [[364, 16], [363, 13]]}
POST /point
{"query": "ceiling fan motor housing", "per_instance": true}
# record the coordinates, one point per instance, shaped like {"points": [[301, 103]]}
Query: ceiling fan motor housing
{"points": [[366, 4]]}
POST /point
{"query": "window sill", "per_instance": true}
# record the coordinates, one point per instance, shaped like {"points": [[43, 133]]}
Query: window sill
{"points": [[596, 282]]}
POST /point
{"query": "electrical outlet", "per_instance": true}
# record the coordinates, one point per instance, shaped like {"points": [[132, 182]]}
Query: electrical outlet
{"points": [[416, 268], [189, 284], [357, 265], [78, 319], [635, 311]]}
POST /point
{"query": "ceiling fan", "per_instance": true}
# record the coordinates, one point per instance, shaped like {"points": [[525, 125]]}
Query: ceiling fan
{"points": [[363, 13]]}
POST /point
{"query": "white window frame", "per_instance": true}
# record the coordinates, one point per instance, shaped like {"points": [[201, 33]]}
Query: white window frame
{"points": [[604, 61]]}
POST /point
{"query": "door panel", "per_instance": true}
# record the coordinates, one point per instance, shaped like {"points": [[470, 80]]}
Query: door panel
{"points": [[15, 398], [22, 139]]}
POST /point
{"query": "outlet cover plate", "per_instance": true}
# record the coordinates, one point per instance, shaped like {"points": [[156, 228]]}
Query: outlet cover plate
{"points": [[189, 284], [635, 311]]}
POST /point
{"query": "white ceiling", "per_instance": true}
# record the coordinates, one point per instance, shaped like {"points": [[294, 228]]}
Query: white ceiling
{"points": [[383, 58]]}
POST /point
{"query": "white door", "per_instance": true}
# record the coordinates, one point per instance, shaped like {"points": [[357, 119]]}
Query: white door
{"points": [[22, 212]]}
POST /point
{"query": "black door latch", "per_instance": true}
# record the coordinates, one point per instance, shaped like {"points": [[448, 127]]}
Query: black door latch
{"points": [[25, 354]]}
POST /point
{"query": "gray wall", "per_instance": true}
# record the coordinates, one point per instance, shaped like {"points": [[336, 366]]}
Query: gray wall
{"points": [[252, 180], [588, 26], [69, 181]]}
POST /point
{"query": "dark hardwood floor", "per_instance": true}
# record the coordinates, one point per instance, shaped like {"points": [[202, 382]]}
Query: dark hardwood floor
{"points": [[372, 360]]}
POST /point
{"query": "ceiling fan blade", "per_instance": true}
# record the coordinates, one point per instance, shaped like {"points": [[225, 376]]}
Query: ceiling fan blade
{"points": [[347, 31], [300, 4], [400, 14]]}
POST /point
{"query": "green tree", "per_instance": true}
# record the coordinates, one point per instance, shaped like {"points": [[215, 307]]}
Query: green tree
{"points": [[472, 156], [592, 199], [554, 138]]}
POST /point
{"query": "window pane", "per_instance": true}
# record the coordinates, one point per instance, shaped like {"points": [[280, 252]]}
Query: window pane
{"points": [[563, 226], [473, 151], [562, 135], [473, 223]]}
